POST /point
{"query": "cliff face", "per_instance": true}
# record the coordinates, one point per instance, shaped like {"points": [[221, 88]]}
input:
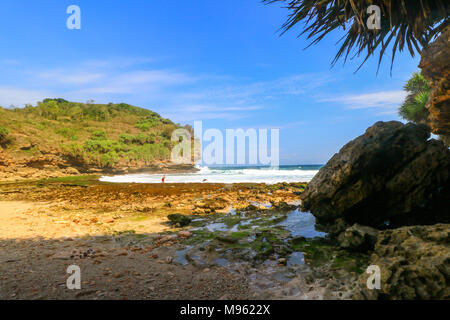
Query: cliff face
{"points": [[435, 65]]}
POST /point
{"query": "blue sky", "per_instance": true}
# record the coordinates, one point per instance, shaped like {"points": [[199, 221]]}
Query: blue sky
{"points": [[221, 62]]}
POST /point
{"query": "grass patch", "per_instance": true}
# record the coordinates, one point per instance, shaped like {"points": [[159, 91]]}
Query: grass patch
{"points": [[139, 218], [240, 235], [351, 262], [231, 221], [200, 236]]}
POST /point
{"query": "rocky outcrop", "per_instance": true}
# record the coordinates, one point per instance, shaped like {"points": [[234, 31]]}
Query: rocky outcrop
{"points": [[53, 164], [179, 220], [358, 238], [435, 65], [414, 263], [389, 177], [211, 205]]}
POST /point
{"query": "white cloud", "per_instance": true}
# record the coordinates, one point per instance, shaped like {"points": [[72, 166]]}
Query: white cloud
{"points": [[10, 62], [215, 108], [240, 100], [381, 99], [291, 85], [135, 82], [187, 117], [69, 77], [181, 95], [115, 63], [207, 112], [160, 77], [19, 97], [287, 125]]}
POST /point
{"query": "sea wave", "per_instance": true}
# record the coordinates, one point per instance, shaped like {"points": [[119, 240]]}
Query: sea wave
{"points": [[223, 175]]}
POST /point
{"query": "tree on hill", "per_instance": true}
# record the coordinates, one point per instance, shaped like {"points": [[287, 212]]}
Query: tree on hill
{"points": [[49, 109]]}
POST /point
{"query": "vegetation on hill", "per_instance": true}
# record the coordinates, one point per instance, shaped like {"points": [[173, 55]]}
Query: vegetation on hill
{"points": [[102, 135]]}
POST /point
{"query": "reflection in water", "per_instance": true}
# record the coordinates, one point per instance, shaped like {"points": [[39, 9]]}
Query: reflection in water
{"points": [[301, 224]]}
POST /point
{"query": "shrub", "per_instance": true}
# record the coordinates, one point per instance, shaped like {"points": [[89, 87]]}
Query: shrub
{"points": [[152, 138], [75, 150], [4, 136], [167, 132], [149, 152], [102, 146], [109, 159], [98, 135], [126, 138], [68, 133], [148, 122], [141, 139]]}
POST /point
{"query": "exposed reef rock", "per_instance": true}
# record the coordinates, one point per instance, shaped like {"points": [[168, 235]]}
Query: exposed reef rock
{"points": [[414, 263], [358, 238]]}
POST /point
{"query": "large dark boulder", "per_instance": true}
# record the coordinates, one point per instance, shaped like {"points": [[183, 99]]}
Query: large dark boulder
{"points": [[391, 176]]}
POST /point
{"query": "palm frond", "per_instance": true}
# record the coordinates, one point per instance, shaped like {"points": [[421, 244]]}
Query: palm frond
{"points": [[408, 23]]}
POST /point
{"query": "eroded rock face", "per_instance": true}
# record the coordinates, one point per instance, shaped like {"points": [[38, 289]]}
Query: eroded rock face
{"points": [[389, 177], [435, 65], [414, 263], [358, 238]]}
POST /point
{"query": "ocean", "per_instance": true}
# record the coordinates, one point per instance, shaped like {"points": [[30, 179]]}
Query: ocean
{"points": [[286, 173]]}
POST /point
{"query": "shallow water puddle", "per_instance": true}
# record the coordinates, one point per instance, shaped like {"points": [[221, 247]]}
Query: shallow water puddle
{"points": [[217, 226], [180, 256], [221, 262], [295, 259], [301, 224]]}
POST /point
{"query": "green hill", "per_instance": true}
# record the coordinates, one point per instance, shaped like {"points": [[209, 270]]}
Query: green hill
{"points": [[86, 134]]}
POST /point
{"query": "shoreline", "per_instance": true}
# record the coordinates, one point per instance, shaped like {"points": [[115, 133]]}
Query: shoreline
{"points": [[13, 173]]}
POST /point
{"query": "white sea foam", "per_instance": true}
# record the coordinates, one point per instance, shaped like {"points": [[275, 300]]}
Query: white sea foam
{"points": [[223, 175]]}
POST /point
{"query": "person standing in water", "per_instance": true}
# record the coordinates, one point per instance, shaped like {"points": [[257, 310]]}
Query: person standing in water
{"points": [[163, 178]]}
